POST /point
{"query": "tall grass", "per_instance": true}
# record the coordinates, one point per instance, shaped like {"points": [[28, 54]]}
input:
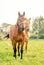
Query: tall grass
{"points": [[34, 55]]}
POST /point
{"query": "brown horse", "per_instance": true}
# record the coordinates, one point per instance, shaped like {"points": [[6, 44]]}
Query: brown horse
{"points": [[27, 28], [17, 34]]}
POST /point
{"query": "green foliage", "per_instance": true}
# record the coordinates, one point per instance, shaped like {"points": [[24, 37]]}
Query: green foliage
{"points": [[38, 25], [36, 37], [41, 37]]}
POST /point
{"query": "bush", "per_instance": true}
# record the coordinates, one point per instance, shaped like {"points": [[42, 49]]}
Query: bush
{"points": [[41, 37], [33, 37], [37, 37]]}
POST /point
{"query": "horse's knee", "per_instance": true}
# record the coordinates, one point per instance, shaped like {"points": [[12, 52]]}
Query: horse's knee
{"points": [[18, 47], [26, 45], [18, 51]]}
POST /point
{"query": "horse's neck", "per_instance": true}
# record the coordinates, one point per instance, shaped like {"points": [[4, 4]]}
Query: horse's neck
{"points": [[26, 33], [19, 31]]}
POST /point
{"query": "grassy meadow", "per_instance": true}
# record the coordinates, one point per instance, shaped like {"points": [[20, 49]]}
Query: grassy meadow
{"points": [[34, 55]]}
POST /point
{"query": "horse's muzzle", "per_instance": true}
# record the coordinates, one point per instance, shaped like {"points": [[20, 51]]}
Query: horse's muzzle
{"points": [[27, 30], [22, 29]]}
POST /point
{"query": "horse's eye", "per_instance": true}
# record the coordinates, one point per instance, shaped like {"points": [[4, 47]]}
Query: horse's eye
{"points": [[19, 21]]}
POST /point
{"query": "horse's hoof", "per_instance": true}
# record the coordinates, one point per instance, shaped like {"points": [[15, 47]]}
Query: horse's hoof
{"points": [[14, 56], [21, 58], [18, 54]]}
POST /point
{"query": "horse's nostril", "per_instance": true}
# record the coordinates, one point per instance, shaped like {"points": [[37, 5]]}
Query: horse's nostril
{"points": [[21, 29], [27, 30]]}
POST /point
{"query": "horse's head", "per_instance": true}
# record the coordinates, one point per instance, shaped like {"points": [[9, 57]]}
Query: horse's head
{"points": [[27, 26], [20, 21]]}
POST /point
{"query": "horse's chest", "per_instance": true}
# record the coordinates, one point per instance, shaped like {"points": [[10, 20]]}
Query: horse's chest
{"points": [[19, 38], [14, 33]]}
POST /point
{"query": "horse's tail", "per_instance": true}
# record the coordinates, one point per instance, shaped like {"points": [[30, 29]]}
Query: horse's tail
{"points": [[6, 36]]}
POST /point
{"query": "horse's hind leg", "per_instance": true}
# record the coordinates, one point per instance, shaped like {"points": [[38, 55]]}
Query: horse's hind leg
{"points": [[19, 49], [26, 45]]}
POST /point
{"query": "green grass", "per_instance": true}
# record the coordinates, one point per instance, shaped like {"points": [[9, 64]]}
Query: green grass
{"points": [[34, 55]]}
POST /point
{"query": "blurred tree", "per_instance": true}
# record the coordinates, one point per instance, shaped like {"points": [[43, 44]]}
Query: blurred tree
{"points": [[38, 25], [5, 27]]}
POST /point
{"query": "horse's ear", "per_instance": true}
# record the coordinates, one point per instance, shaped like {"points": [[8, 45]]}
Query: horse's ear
{"points": [[23, 13], [18, 13]]}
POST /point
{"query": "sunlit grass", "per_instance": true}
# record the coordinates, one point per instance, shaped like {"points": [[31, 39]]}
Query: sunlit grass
{"points": [[34, 55]]}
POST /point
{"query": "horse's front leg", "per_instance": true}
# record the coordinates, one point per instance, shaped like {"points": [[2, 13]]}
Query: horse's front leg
{"points": [[15, 51], [14, 48], [18, 48], [22, 44]]}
